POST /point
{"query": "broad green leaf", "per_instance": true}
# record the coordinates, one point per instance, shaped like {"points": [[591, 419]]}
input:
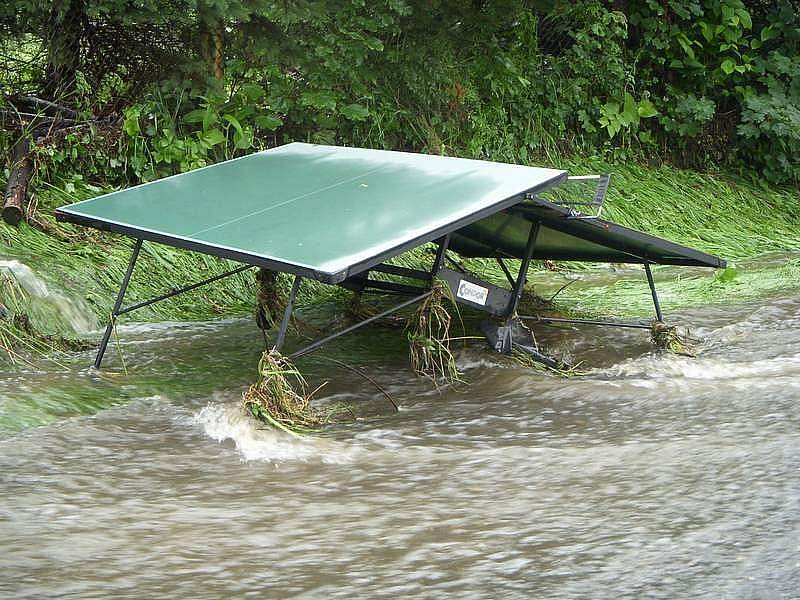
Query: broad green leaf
{"points": [[210, 119], [727, 12], [131, 123], [319, 100], [235, 122], [355, 112], [685, 43], [243, 138], [373, 44], [610, 108], [706, 30], [212, 137], [630, 113], [647, 109], [727, 66], [252, 91], [268, 122], [727, 275], [195, 116], [744, 18]]}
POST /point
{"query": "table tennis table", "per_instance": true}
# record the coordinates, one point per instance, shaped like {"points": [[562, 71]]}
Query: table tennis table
{"points": [[337, 214]]}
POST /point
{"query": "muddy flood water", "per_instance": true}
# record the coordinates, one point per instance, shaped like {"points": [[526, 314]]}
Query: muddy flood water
{"points": [[652, 476]]}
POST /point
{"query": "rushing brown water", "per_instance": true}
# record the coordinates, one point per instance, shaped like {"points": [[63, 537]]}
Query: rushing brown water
{"points": [[654, 475]]}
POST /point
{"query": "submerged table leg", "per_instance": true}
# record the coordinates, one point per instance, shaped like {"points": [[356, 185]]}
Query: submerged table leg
{"points": [[120, 297], [516, 293], [287, 314], [652, 285], [513, 332], [441, 253]]}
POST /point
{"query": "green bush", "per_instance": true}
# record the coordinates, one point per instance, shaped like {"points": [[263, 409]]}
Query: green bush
{"points": [[172, 86]]}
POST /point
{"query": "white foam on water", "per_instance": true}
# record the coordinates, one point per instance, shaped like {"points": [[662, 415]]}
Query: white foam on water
{"points": [[224, 420], [470, 359], [702, 369], [25, 276], [75, 313]]}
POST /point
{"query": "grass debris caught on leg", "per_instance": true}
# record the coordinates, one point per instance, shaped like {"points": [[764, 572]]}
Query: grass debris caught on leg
{"points": [[429, 337], [280, 397], [667, 338]]}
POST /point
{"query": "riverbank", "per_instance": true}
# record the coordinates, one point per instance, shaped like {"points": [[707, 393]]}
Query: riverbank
{"points": [[730, 217]]}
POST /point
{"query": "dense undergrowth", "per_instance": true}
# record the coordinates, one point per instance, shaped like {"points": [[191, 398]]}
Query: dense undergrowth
{"points": [[158, 88]]}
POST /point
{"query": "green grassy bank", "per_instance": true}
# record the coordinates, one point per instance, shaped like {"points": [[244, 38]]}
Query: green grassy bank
{"points": [[733, 218]]}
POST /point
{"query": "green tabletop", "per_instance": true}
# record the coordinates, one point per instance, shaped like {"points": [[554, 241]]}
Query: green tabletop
{"points": [[320, 211]]}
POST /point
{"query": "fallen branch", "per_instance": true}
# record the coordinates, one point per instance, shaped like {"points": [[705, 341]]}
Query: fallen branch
{"points": [[21, 168], [46, 104]]}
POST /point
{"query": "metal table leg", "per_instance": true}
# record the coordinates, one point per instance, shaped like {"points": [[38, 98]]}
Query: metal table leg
{"points": [[120, 297], [652, 285], [287, 314]]}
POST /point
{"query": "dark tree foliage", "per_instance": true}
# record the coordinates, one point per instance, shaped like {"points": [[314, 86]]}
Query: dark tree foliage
{"points": [[170, 86]]}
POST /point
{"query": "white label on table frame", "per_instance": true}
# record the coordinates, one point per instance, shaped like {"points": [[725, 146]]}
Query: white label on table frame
{"points": [[473, 293]]}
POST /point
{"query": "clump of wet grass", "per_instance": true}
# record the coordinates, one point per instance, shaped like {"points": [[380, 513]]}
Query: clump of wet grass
{"points": [[18, 346], [269, 299], [561, 369], [280, 397], [429, 338], [667, 338]]}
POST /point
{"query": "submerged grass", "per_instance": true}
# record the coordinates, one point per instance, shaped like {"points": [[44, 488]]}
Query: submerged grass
{"points": [[270, 302], [628, 295], [24, 334]]}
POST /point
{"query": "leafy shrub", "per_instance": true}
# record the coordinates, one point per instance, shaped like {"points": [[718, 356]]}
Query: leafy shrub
{"points": [[770, 123], [711, 83]]}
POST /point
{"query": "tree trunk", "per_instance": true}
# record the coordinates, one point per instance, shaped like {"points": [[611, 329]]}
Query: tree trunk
{"points": [[206, 54], [219, 50], [21, 166], [65, 30]]}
